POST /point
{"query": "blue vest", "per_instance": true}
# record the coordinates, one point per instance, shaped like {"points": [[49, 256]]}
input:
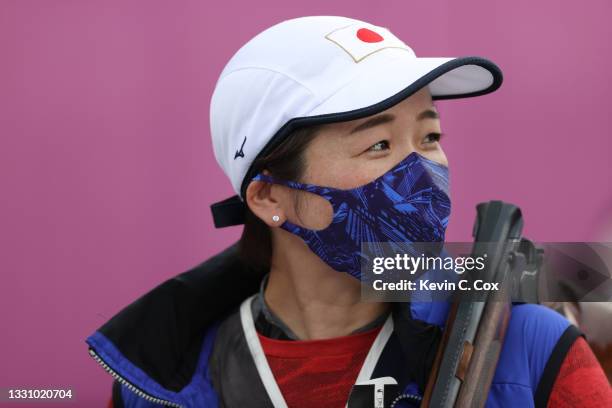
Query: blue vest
{"points": [[533, 333]]}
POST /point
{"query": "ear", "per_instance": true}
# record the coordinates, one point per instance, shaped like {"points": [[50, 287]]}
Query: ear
{"points": [[264, 201]]}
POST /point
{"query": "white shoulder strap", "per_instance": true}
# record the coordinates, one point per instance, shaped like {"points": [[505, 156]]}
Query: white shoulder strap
{"points": [[263, 368], [375, 351]]}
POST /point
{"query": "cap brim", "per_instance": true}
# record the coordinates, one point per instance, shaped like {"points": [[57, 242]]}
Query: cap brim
{"points": [[388, 82]]}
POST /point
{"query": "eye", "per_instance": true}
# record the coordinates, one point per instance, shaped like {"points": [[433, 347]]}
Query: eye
{"points": [[379, 146], [432, 137]]}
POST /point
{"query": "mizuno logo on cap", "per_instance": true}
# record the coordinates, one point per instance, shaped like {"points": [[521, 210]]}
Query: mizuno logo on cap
{"points": [[362, 40], [240, 153]]}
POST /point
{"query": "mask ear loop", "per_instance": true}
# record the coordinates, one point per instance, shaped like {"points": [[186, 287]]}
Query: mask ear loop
{"points": [[310, 188], [325, 192]]}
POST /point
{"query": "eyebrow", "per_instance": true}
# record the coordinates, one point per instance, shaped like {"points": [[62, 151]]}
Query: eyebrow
{"points": [[428, 114], [388, 117]]}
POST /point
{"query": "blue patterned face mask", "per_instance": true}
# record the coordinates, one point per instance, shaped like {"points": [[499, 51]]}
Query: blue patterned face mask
{"points": [[409, 203]]}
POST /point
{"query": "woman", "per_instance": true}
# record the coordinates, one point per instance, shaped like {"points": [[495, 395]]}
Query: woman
{"points": [[326, 129]]}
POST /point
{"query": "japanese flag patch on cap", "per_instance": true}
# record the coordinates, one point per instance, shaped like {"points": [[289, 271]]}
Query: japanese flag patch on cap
{"points": [[362, 40], [316, 70]]}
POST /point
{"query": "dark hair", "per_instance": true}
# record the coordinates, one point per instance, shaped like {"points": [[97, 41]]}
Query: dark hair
{"points": [[286, 162]]}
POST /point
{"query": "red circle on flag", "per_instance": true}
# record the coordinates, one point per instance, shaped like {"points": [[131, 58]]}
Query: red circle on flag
{"points": [[369, 36]]}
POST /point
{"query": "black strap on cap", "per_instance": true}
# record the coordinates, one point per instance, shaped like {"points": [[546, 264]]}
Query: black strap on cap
{"points": [[228, 212]]}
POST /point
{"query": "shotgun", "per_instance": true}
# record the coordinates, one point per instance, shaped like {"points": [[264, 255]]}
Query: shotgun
{"points": [[467, 357]]}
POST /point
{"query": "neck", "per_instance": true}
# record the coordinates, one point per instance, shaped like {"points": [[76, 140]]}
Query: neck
{"points": [[312, 299]]}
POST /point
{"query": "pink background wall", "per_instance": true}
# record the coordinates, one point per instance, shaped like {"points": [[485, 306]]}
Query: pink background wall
{"points": [[106, 169]]}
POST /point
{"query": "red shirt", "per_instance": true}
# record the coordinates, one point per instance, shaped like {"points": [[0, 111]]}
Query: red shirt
{"points": [[581, 381], [317, 373]]}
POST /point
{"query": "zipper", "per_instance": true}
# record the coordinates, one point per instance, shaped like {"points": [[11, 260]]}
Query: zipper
{"points": [[411, 397], [129, 385]]}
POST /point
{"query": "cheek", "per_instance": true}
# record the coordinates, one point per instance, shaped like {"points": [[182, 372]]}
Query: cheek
{"points": [[312, 212], [348, 173]]}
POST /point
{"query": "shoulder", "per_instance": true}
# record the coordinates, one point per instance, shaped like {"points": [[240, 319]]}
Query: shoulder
{"points": [[537, 338], [537, 320]]}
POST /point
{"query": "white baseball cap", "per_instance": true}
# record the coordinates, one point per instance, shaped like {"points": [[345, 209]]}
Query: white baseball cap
{"points": [[315, 70]]}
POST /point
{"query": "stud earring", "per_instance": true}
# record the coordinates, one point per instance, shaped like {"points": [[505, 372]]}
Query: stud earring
{"points": [[275, 218]]}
